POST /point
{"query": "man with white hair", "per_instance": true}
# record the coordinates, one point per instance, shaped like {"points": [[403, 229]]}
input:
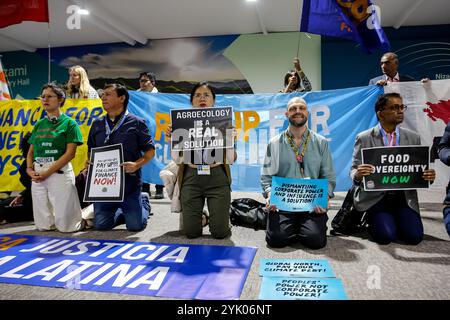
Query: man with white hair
{"points": [[297, 153]]}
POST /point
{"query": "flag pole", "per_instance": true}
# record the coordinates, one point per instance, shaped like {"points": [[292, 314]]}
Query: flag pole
{"points": [[49, 52]]}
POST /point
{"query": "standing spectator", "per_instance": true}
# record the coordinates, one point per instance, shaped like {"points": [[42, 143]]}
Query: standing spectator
{"points": [[147, 82], [294, 79], [391, 214], [53, 145], [389, 65], [78, 86], [444, 155], [119, 126], [298, 153]]}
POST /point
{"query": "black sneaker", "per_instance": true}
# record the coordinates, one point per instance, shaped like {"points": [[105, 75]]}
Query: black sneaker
{"points": [[159, 194]]}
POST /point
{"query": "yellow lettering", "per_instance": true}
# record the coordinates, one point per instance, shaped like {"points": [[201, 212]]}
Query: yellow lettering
{"points": [[162, 123], [251, 121], [12, 243]]}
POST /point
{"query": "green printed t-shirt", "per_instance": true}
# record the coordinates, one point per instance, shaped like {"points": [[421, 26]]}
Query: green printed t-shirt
{"points": [[49, 139]]}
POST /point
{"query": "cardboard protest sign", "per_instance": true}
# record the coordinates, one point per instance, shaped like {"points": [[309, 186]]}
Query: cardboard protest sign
{"points": [[396, 168], [106, 178], [281, 288], [201, 128], [315, 268], [299, 195]]}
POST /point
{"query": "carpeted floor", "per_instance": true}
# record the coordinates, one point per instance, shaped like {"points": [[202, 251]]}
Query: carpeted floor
{"points": [[368, 270]]}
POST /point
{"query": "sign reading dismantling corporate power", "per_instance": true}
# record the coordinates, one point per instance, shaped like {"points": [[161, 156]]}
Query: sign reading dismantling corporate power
{"points": [[141, 268], [282, 288], [315, 268], [299, 195], [106, 177], [396, 168], [201, 128]]}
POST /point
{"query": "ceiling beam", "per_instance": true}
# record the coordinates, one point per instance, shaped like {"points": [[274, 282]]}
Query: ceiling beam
{"points": [[114, 24], [16, 43], [408, 12], [261, 22], [107, 28]]}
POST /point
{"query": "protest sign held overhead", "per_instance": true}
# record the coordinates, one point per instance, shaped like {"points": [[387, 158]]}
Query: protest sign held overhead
{"points": [[299, 195], [201, 128], [396, 168], [106, 177]]}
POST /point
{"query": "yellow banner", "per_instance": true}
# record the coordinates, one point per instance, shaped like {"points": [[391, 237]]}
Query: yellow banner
{"points": [[17, 117]]}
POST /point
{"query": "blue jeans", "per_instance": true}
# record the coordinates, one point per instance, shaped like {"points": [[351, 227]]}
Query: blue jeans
{"points": [[447, 219], [392, 219], [135, 217]]}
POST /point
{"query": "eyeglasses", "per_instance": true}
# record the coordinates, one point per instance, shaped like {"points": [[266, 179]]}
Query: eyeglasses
{"points": [[396, 107], [48, 97], [144, 80], [204, 95]]}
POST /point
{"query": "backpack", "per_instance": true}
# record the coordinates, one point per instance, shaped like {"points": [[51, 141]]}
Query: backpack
{"points": [[248, 213], [348, 220]]}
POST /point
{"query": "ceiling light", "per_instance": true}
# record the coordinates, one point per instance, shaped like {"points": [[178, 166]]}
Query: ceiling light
{"points": [[251, 0], [83, 11]]}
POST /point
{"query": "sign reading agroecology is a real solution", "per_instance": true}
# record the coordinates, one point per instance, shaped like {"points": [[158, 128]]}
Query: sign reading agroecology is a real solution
{"points": [[201, 128]]}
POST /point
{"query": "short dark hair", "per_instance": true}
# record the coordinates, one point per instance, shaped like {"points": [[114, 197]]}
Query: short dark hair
{"points": [[383, 100], [120, 90], [288, 75], [203, 84], [149, 75], [25, 145], [58, 90]]}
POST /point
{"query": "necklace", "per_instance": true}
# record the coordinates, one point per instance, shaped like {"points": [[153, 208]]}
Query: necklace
{"points": [[298, 155]]}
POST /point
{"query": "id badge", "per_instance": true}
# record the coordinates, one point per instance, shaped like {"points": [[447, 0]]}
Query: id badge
{"points": [[203, 170]]}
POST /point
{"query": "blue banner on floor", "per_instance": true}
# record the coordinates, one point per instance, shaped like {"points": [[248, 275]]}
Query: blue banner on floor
{"points": [[142, 268], [277, 288]]}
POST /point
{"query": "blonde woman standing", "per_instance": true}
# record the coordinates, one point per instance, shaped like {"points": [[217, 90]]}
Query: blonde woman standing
{"points": [[78, 86]]}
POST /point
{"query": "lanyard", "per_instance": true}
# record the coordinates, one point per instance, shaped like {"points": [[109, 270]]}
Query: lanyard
{"points": [[385, 138], [115, 128], [299, 156]]}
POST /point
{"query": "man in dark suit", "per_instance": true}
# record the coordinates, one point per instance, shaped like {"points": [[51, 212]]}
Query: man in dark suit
{"points": [[391, 214], [444, 155], [389, 65]]}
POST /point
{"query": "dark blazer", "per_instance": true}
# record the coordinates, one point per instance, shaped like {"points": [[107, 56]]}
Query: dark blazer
{"points": [[444, 155], [403, 78], [364, 200]]}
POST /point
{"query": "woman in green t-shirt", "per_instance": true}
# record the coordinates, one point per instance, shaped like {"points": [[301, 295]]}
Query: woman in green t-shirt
{"points": [[53, 145]]}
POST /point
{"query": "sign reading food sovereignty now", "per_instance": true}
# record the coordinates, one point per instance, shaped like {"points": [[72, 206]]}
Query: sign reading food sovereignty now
{"points": [[201, 128], [396, 168]]}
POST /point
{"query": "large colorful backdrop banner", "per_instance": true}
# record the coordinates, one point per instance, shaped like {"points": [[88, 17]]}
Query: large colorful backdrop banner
{"points": [[143, 268], [339, 115]]}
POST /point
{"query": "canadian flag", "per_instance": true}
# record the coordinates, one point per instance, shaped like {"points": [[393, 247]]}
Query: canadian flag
{"points": [[4, 91], [16, 11]]}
